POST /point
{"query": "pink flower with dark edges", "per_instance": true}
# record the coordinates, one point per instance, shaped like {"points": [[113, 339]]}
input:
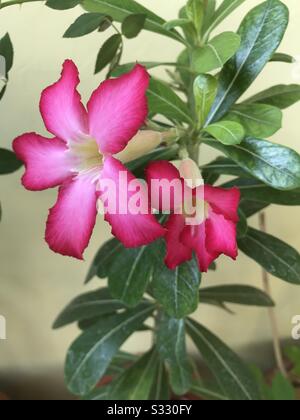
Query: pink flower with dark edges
{"points": [[213, 230], [81, 154]]}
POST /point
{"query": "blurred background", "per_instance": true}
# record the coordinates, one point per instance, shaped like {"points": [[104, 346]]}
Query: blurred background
{"points": [[35, 283]]}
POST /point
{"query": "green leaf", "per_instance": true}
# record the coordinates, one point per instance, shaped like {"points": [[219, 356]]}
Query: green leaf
{"points": [[176, 290], [137, 381], [87, 306], [104, 259], [293, 354], [133, 25], [251, 208], [282, 389], [215, 53], [205, 392], [275, 256], [282, 58], [85, 24], [8, 162], [160, 388], [7, 51], [62, 5], [257, 191], [232, 375], [224, 10], [163, 100], [258, 120], [227, 132], [205, 90], [108, 52], [281, 96], [91, 354], [176, 23], [121, 9], [236, 294], [195, 13], [261, 33], [223, 166], [275, 165], [171, 345], [242, 226]]}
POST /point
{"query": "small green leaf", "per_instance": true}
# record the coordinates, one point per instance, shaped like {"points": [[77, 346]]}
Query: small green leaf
{"points": [[62, 4], [282, 58], [137, 381], [281, 96], [205, 90], [171, 345], [227, 132], [108, 52], [8, 162], [236, 294], [234, 378], [195, 13], [242, 226], [85, 24], [282, 389], [275, 256], [7, 51], [215, 53], [251, 208], [91, 354], [258, 120], [224, 10], [133, 25], [275, 165], [104, 259]]}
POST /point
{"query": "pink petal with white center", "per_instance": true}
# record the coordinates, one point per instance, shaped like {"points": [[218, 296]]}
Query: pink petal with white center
{"points": [[221, 235], [118, 109], [166, 188], [71, 221], [196, 237], [177, 252], [223, 201], [61, 107], [46, 161], [130, 226]]}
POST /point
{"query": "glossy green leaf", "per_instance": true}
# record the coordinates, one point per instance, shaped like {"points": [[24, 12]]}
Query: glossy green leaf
{"points": [[195, 13], [258, 120], [275, 165], [205, 90], [121, 9], [91, 354], [137, 381], [242, 226], [176, 290], [7, 51], [133, 25], [87, 306], [224, 10], [104, 259], [234, 378], [281, 96], [261, 33], [251, 208], [215, 53], [223, 166], [227, 132], [235, 294], [62, 4], [164, 101], [8, 162], [274, 255], [171, 345], [257, 191], [108, 52], [85, 24]]}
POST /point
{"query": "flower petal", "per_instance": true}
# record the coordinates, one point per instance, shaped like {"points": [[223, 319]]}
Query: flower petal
{"points": [[61, 107], [165, 186], [177, 252], [130, 226], [118, 109], [195, 237], [223, 201], [72, 219], [143, 143], [221, 235], [46, 161]]}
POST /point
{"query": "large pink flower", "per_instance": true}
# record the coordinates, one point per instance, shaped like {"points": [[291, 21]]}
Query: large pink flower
{"points": [[207, 227], [81, 154]]}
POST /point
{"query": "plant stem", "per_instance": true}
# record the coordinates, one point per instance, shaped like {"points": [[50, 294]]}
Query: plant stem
{"points": [[272, 313], [15, 2]]}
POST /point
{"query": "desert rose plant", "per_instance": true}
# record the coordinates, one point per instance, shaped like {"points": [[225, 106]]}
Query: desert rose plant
{"points": [[137, 144]]}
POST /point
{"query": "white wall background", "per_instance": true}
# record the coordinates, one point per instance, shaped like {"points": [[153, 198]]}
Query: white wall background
{"points": [[35, 283]]}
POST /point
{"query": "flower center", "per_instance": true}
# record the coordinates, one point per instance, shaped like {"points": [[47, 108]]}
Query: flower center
{"points": [[86, 155], [196, 211]]}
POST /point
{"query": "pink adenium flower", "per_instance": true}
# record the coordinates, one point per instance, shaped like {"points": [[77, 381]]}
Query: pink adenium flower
{"points": [[208, 227], [82, 154]]}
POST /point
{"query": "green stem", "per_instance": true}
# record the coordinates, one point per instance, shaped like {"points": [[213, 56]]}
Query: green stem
{"points": [[16, 2]]}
